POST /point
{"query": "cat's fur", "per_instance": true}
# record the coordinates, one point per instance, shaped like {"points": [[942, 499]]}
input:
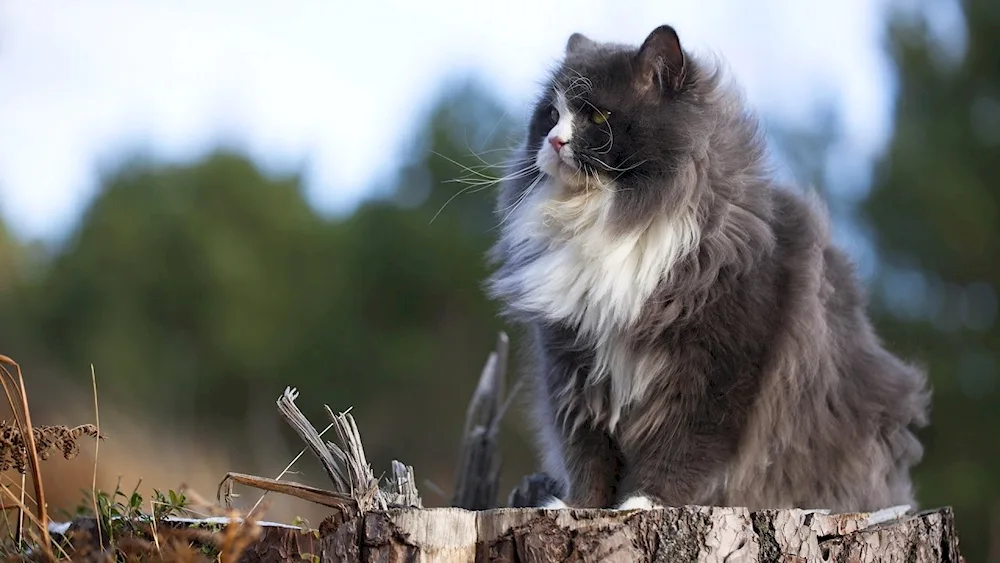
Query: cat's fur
{"points": [[698, 338]]}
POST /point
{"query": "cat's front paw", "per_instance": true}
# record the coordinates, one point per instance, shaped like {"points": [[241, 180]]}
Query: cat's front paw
{"points": [[638, 502], [554, 503]]}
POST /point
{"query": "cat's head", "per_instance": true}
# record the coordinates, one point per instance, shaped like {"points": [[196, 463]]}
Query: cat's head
{"points": [[636, 158], [631, 121]]}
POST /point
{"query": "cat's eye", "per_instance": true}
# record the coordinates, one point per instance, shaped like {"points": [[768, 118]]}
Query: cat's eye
{"points": [[554, 114], [600, 116]]}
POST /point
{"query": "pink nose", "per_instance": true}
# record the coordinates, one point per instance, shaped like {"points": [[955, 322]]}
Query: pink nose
{"points": [[557, 143]]}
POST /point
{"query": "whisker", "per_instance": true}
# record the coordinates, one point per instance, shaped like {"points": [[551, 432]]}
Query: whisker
{"points": [[580, 79], [508, 164], [483, 181], [517, 203], [459, 164], [479, 181], [479, 155], [610, 168], [477, 185], [495, 126], [611, 134]]}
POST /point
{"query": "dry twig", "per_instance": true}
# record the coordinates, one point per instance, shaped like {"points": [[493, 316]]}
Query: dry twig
{"points": [[355, 485], [477, 477]]}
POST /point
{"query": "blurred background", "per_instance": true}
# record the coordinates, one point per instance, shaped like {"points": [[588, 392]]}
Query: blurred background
{"points": [[208, 201]]}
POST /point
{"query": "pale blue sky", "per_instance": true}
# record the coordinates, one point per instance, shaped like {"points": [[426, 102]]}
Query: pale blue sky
{"points": [[81, 81]]}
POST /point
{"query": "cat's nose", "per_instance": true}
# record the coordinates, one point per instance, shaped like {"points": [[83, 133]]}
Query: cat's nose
{"points": [[557, 143]]}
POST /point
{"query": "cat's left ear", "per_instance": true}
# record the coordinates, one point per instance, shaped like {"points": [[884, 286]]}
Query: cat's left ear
{"points": [[661, 60], [579, 43]]}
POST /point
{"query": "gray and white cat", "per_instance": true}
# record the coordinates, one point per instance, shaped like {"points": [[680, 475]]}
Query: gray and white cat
{"points": [[698, 338]]}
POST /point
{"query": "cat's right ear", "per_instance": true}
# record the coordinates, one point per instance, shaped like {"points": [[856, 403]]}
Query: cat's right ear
{"points": [[578, 43], [661, 61]]}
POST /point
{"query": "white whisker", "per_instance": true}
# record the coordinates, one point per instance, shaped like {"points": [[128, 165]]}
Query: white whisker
{"points": [[477, 185], [524, 195]]}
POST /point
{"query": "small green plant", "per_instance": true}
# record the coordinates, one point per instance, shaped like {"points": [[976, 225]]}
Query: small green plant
{"points": [[304, 525], [121, 513], [110, 526], [170, 504]]}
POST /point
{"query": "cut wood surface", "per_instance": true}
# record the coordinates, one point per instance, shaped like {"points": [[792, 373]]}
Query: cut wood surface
{"points": [[453, 535], [677, 534]]}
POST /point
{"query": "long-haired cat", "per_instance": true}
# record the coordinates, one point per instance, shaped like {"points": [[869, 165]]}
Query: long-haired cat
{"points": [[698, 338]]}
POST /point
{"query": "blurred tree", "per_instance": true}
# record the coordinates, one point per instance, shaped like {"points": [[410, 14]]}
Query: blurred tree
{"points": [[185, 285], [417, 257], [10, 249], [458, 157], [935, 209], [198, 289], [19, 265]]}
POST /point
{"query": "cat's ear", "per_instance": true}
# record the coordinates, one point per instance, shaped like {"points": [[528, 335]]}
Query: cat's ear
{"points": [[578, 43], [661, 61]]}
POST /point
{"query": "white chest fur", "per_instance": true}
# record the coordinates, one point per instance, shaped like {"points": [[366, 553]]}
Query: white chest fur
{"points": [[582, 276]]}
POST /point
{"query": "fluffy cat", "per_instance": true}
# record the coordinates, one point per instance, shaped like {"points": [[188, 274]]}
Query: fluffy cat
{"points": [[697, 338]]}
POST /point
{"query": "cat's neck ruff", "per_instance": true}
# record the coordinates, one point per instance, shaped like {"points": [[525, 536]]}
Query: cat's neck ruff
{"points": [[578, 272]]}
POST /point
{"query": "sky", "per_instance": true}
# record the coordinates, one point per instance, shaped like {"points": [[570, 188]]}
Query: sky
{"points": [[334, 88]]}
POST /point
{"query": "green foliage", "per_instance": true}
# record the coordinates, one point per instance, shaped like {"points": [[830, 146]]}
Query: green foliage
{"points": [[197, 288], [9, 249], [120, 514], [935, 213], [185, 279]]}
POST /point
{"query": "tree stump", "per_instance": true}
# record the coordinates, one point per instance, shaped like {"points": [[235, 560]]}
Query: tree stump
{"points": [[695, 534]]}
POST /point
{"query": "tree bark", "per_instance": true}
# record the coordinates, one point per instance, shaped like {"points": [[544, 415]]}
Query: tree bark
{"points": [[702, 534]]}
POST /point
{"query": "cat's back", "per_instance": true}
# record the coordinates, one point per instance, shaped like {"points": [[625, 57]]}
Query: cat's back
{"points": [[852, 393], [827, 298]]}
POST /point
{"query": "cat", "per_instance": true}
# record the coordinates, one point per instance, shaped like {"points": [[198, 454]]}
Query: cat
{"points": [[697, 338]]}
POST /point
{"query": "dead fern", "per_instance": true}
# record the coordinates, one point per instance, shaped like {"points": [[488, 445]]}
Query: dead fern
{"points": [[48, 440]]}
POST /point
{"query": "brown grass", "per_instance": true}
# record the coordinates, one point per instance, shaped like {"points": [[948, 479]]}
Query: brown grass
{"points": [[166, 542], [49, 439], [23, 447], [157, 453]]}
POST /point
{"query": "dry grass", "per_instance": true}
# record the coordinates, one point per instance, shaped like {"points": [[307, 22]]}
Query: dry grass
{"points": [[48, 439], [161, 454], [122, 532], [139, 537]]}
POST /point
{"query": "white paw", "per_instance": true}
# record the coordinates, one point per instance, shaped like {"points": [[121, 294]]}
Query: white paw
{"points": [[554, 504], [638, 502]]}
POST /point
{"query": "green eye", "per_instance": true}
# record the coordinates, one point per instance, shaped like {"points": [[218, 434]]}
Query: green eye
{"points": [[600, 116]]}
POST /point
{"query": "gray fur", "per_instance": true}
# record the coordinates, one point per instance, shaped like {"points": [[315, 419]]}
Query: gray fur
{"points": [[758, 380]]}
